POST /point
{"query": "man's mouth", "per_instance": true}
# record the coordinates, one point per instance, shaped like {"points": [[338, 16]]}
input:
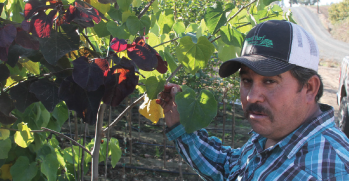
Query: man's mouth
{"points": [[256, 115]]}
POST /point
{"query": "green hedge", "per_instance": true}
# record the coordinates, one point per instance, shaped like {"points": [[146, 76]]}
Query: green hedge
{"points": [[339, 11]]}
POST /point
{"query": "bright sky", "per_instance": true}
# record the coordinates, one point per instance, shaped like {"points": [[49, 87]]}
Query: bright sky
{"points": [[322, 2]]}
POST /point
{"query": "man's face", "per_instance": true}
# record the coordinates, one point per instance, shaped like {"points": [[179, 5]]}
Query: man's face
{"points": [[273, 105]]}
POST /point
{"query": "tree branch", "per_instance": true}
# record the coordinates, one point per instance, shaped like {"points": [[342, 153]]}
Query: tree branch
{"points": [[33, 131], [145, 9], [123, 112], [89, 42], [174, 73], [166, 42], [66, 137]]}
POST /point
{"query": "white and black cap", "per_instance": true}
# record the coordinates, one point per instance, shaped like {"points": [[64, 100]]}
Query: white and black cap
{"points": [[274, 47]]}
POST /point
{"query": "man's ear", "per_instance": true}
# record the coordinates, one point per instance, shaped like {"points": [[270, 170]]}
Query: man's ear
{"points": [[312, 88]]}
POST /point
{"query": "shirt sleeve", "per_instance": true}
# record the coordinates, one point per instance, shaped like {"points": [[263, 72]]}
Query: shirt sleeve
{"points": [[206, 155]]}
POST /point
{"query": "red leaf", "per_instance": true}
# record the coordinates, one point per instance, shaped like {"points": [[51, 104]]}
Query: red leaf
{"points": [[7, 35], [120, 82], [70, 14], [33, 6], [118, 45], [162, 65], [26, 25], [88, 11], [42, 24], [27, 41]]}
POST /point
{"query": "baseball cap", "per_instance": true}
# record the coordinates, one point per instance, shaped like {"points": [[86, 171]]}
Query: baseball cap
{"points": [[274, 47]]}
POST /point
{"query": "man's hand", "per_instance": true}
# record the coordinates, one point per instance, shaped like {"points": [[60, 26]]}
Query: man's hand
{"points": [[166, 99]]}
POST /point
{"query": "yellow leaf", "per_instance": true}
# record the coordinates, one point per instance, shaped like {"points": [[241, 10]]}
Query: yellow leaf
{"points": [[23, 137], [4, 134], [5, 172], [150, 110]]}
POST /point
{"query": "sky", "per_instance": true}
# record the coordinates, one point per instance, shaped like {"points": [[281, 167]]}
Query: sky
{"points": [[322, 2]]}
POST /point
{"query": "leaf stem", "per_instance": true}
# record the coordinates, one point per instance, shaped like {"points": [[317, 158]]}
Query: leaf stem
{"points": [[145, 9], [66, 137]]}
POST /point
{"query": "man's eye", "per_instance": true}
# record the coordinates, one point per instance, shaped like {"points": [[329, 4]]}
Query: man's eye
{"points": [[269, 81], [246, 80]]}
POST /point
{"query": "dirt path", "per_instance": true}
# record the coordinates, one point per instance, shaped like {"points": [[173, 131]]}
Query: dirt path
{"points": [[330, 80]]}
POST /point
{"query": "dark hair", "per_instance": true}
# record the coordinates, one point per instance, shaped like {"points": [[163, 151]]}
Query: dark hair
{"points": [[303, 75]]}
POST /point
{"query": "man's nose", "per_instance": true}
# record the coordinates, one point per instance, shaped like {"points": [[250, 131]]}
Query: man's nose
{"points": [[255, 94]]}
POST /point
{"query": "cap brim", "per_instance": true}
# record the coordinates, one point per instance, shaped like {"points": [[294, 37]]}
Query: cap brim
{"points": [[262, 65]]}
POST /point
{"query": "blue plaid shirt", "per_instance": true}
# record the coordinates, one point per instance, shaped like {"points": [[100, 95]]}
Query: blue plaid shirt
{"points": [[317, 150]]}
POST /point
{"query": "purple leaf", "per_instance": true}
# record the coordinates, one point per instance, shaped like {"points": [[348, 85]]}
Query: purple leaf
{"points": [[4, 72], [21, 96], [47, 92], [87, 75], [7, 35], [27, 41]]}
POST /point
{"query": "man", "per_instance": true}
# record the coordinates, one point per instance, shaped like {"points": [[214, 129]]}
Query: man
{"points": [[294, 137]]}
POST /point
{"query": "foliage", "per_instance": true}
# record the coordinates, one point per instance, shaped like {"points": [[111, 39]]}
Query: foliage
{"points": [[62, 56], [339, 11]]}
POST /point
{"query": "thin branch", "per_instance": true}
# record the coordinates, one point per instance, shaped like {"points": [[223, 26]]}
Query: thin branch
{"points": [[33, 131], [173, 73], [66, 137], [145, 9], [35, 77], [166, 42], [216, 38], [89, 42], [123, 112]]}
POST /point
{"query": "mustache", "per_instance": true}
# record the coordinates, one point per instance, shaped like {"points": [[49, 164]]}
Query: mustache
{"points": [[258, 108]]}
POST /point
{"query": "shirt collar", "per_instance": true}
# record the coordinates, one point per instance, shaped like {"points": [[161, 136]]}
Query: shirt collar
{"points": [[309, 129]]}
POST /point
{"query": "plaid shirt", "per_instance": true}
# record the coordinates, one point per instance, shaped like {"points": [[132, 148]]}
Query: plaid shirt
{"points": [[317, 150]]}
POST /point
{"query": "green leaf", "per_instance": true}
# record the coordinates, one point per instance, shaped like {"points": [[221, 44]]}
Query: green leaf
{"points": [[103, 8], [192, 27], [32, 67], [4, 134], [154, 40], [124, 5], [60, 113], [145, 23], [5, 148], [166, 55], [115, 151], [133, 24], [194, 56], [136, 3], [49, 167], [16, 10], [215, 17], [179, 28], [54, 142], [17, 73], [202, 29], [115, 14], [22, 170], [59, 43], [228, 52], [229, 7], [231, 36], [154, 85], [60, 159], [23, 137], [127, 14], [155, 29], [165, 20], [155, 6], [101, 29], [118, 31], [196, 112]]}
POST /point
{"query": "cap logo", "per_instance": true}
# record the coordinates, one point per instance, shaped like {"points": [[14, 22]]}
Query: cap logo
{"points": [[260, 41]]}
